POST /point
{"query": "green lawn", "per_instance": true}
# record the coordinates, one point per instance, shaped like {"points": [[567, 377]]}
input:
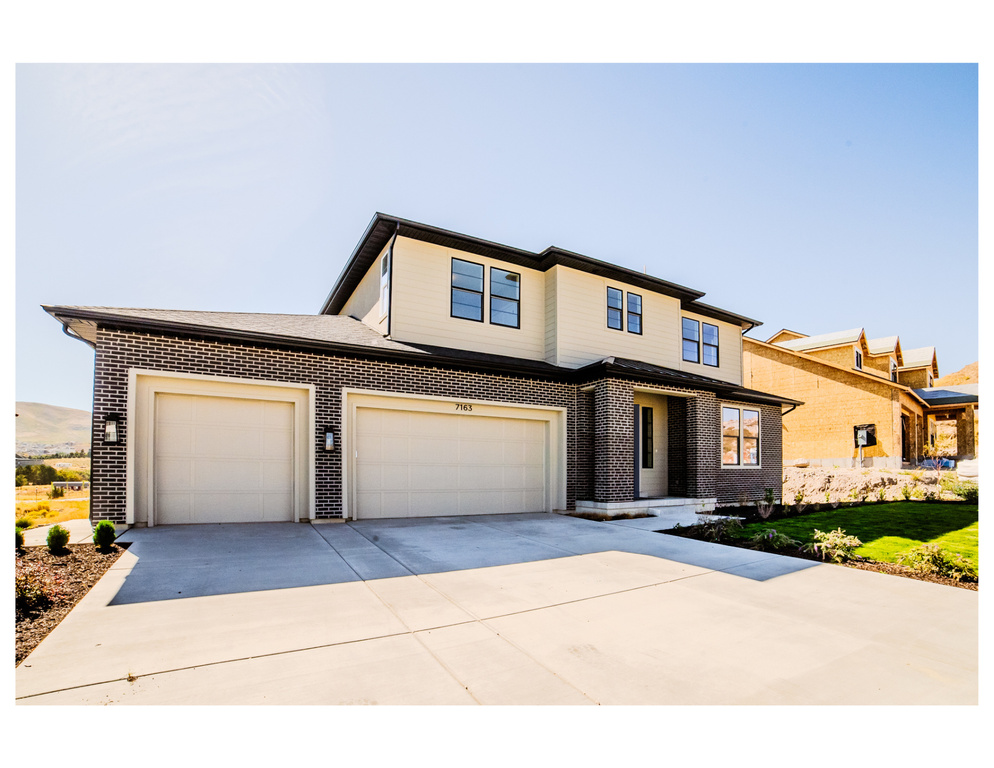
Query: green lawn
{"points": [[886, 530]]}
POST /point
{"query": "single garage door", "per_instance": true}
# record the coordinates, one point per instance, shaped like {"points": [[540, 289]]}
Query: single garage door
{"points": [[420, 464], [222, 459]]}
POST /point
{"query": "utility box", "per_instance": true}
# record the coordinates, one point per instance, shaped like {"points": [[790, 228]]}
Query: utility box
{"points": [[864, 435]]}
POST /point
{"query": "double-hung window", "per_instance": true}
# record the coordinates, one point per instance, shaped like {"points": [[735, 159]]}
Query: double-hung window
{"points": [[505, 297], [691, 340], [615, 307], [739, 437], [634, 313], [709, 344], [859, 360], [467, 290]]}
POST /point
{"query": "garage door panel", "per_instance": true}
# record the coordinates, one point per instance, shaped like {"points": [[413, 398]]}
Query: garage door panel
{"points": [[222, 459], [424, 463]]}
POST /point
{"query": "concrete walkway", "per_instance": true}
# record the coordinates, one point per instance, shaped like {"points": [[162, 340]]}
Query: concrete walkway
{"points": [[80, 532], [521, 609]]}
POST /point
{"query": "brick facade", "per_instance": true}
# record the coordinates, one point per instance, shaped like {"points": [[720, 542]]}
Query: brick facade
{"points": [[599, 421]]}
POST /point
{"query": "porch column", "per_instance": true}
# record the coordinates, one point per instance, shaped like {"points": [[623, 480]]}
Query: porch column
{"points": [[966, 436], [614, 436]]}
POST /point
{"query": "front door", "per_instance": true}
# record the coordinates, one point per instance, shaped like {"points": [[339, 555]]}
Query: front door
{"points": [[650, 446]]}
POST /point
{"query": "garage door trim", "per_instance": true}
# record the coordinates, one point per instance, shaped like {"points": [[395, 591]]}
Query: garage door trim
{"points": [[554, 417], [144, 385]]}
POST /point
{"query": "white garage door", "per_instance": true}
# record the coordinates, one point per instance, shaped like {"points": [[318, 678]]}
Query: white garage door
{"points": [[419, 464], [222, 460]]}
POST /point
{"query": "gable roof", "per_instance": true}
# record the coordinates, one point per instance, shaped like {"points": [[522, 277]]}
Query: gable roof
{"points": [[849, 371], [851, 336], [785, 332], [922, 357], [383, 227], [884, 345]]}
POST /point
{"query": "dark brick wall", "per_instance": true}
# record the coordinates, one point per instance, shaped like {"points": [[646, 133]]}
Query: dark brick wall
{"points": [[599, 422]]}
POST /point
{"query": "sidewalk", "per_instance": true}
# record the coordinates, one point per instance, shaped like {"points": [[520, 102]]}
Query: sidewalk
{"points": [[80, 532]]}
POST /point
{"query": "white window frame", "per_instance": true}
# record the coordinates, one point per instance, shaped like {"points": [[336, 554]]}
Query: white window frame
{"points": [[386, 267], [858, 361], [759, 446], [893, 369]]}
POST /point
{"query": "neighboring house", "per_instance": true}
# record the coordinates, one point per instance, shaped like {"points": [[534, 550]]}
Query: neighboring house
{"points": [[444, 375], [847, 383]]}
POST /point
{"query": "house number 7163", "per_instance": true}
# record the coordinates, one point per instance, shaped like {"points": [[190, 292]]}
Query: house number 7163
{"points": [[464, 407]]}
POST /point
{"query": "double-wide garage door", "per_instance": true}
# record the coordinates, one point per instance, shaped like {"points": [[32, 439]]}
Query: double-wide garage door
{"points": [[412, 463]]}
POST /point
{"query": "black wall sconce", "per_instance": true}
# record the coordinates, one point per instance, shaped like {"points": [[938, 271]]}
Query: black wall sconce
{"points": [[329, 439], [112, 429]]}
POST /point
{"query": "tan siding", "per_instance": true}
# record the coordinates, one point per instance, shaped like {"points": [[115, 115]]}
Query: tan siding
{"points": [[364, 302], [582, 323], [422, 282], [878, 365], [729, 351]]}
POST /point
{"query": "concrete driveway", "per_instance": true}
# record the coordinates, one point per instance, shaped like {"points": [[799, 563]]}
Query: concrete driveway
{"points": [[518, 609]]}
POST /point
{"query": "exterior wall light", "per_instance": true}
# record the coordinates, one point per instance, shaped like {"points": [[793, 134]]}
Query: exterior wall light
{"points": [[329, 439], [112, 429]]}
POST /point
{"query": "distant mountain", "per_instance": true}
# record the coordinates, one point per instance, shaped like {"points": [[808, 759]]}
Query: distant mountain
{"points": [[968, 374], [45, 429]]}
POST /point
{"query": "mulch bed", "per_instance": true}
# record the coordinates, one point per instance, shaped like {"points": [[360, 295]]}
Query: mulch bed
{"points": [[78, 569], [862, 564]]}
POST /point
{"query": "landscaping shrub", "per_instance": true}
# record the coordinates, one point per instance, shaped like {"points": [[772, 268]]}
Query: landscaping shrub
{"points": [[35, 587], [717, 529], [104, 534], [969, 492], [23, 522], [19, 540], [906, 492], [57, 492], [834, 544], [770, 540], [929, 559], [57, 539]]}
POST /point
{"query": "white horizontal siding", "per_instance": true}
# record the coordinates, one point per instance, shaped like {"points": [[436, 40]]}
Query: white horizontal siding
{"points": [[729, 351], [364, 302]]}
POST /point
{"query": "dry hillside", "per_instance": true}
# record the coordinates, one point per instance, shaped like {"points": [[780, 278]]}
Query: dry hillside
{"points": [[45, 428], [968, 374]]}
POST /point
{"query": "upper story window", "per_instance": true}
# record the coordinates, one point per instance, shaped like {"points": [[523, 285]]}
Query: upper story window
{"points": [[385, 285], [709, 344], [615, 299], [930, 379], [505, 297], [634, 313], [691, 340], [859, 360], [467, 290], [739, 437], [893, 369]]}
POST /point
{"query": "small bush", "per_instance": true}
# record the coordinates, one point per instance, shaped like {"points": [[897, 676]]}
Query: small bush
{"points": [[966, 490], [834, 544], [104, 534], [35, 587], [57, 492], [19, 540], [23, 522], [917, 494], [906, 492], [57, 539], [929, 559], [770, 540], [717, 529], [881, 494]]}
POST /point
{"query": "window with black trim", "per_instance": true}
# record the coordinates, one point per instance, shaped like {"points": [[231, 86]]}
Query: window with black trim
{"points": [[467, 290], [709, 344], [505, 297], [615, 299], [739, 437], [691, 340], [634, 313], [646, 437], [859, 360]]}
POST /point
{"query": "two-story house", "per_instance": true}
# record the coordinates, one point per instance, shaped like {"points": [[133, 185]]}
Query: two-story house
{"points": [[853, 386], [444, 375]]}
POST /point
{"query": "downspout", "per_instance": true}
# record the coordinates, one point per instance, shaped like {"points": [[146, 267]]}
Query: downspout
{"points": [[784, 413]]}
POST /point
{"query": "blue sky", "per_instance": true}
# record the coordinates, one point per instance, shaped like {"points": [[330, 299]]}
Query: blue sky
{"points": [[812, 197]]}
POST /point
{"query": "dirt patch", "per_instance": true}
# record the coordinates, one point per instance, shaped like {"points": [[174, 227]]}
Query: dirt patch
{"points": [[836, 484], [78, 569]]}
